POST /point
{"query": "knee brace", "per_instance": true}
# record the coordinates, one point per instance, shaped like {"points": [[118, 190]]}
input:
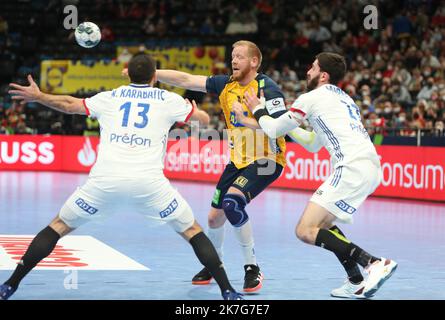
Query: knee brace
{"points": [[233, 206]]}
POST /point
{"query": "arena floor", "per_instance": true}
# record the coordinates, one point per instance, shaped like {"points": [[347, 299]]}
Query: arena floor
{"points": [[134, 259]]}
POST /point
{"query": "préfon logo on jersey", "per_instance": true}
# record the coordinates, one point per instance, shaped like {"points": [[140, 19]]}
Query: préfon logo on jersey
{"points": [[170, 209], [85, 206], [345, 207], [132, 141]]}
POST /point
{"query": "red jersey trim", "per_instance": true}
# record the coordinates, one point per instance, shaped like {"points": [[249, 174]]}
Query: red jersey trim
{"points": [[86, 108], [298, 110]]}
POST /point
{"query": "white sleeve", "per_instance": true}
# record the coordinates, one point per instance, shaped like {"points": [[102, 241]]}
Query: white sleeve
{"points": [[180, 110], [302, 105], [278, 127], [307, 139], [97, 104]]}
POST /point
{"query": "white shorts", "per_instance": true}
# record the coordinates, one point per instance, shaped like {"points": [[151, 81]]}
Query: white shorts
{"points": [[347, 188], [99, 198]]}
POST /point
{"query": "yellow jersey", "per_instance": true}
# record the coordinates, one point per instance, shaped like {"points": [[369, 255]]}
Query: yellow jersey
{"points": [[246, 144]]}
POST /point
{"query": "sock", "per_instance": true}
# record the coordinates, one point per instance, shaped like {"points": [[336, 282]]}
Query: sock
{"points": [[41, 247], [216, 235], [343, 247], [207, 255], [350, 266], [244, 235]]}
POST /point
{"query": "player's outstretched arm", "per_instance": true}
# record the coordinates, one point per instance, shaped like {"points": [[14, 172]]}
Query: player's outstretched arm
{"points": [[199, 115], [32, 93], [307, 139], [274, 128], [182, 79]]}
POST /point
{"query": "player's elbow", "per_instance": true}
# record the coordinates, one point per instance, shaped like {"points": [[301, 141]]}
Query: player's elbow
{"points": [[74, 108]]}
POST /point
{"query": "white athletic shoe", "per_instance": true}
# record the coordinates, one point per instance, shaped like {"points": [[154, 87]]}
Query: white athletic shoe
{"points": [[349, 290], [378, 273]]}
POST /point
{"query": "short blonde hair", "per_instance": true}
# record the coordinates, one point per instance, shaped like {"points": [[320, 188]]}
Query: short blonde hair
{"points": [[252, 49]]}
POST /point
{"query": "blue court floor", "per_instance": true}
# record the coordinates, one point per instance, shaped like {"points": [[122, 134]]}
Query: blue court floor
{"points": [[412, 233]]}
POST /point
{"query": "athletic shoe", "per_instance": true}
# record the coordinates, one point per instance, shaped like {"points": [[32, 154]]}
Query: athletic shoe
{"points": [[378, 273], [203, 277], [350, 290], [253, 279], [232, 295], [6, 292]]}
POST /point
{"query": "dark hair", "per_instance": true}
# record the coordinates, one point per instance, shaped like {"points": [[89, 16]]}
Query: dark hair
{"points": [[334, 64], [141, 68]]}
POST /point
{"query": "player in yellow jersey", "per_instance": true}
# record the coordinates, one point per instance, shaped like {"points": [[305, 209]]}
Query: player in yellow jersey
{"points": [[256, 160]]}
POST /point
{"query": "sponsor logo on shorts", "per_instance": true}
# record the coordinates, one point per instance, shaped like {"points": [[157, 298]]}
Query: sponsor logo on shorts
{"points": [[85, 206], [345, 207], [241, 181], [170, 209], [216, 197], [319, 192]]}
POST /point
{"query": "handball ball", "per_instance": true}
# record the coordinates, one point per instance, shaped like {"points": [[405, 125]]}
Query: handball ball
{"points": [[87, 34]]}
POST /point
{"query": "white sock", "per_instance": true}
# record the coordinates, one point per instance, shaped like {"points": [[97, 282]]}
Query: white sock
{"points": [[244, 235], [216, 235]]}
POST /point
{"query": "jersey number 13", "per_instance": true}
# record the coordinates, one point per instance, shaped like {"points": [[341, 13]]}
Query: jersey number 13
{"points": [[142, 114]]}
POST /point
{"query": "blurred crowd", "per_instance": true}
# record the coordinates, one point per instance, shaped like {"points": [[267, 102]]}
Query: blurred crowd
{"points": [[395, 72]]}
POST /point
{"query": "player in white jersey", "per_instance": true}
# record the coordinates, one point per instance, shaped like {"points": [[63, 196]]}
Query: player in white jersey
{"points": [[135, 121], [357, 173]]}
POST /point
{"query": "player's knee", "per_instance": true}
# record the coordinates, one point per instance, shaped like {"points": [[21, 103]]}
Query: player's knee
{"points": [[216, 219], [303, 234], [59, 226], [233, 205]]}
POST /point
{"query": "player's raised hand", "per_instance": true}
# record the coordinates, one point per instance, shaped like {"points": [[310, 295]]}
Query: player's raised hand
{"points": [[193, 103], [252, 101], [239, 111], [197, 114], [25, 94]]}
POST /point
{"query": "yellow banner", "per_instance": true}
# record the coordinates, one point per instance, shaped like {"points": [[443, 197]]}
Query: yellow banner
{"points": [[205, 60], [69, 77]]}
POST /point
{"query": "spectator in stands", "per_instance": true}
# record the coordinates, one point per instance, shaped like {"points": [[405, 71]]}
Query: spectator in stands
{"points": [[439, 128], [430, 61], [400, 94], [339, 26], [427, 90], [124, 56], [107, 33]]}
